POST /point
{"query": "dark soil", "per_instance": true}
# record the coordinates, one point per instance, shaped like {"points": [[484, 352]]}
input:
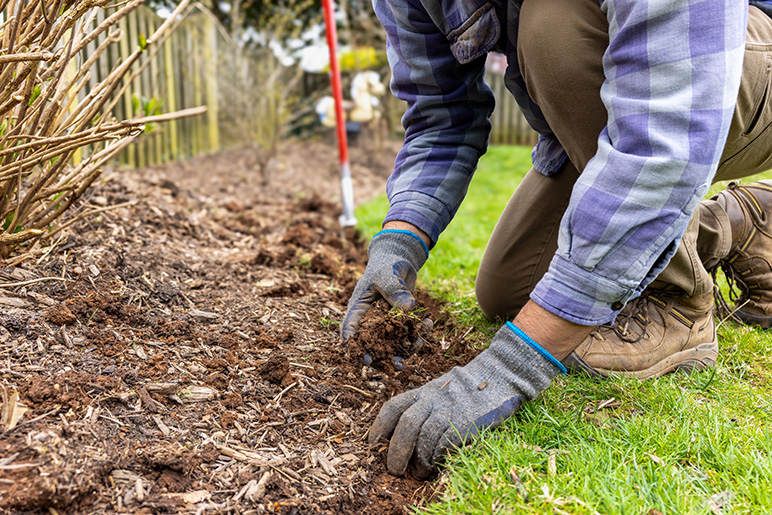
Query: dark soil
{"points": [[183, 356]]}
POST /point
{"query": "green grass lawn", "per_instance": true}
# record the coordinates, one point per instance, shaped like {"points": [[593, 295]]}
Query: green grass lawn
{"points": [[681, 444]]}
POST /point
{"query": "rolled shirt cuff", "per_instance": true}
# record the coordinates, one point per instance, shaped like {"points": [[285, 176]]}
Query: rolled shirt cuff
{"points": [[427, 213], [580, 296], [548, 156]]}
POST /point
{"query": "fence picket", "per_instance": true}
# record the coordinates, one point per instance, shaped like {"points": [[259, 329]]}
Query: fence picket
{"points": [[123, 48], [212, 101], [173, 150]]}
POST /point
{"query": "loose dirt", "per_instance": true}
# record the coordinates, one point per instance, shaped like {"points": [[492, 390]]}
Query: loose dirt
{"points": [[183, 356]]}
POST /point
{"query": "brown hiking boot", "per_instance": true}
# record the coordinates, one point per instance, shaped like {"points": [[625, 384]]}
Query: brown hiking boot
{"points": [[749, 263], [654, 334]]}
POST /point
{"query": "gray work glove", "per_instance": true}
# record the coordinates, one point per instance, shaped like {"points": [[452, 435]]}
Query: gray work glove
{"points": [[394, 258], [425, 423]]}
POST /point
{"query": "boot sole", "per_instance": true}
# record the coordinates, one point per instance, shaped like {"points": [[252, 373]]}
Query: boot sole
{"points": [[762, 321], [695, 359]]}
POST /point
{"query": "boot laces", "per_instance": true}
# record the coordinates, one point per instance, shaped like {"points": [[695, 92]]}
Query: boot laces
{"points": [[739, 292], [635, 316]]}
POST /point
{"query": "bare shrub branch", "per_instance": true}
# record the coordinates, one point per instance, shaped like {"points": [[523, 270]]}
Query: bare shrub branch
{"points": [[43, 119]]}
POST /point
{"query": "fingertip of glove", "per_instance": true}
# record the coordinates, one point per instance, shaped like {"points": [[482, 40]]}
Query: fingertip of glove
{"points": [[420, 471], [349, 327], [381, 430], [396, 469], [403, 300], [396, 473], [375, 437], [397, 462]]}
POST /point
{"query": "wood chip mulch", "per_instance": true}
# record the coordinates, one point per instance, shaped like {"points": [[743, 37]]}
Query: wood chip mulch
{"points": [[181, 353]]}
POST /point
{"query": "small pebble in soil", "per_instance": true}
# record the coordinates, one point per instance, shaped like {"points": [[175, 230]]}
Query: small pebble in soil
{"points": [[417, 345]]}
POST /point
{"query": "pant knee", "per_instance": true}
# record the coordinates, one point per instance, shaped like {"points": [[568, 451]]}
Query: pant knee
{"points": [[499, 299], [487, 297]]}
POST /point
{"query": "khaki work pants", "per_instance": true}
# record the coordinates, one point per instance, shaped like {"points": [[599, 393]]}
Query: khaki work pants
{"points": [[563, 70]]}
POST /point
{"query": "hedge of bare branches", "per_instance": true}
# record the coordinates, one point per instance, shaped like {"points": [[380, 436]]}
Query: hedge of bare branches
{"points": [[47, 114]]}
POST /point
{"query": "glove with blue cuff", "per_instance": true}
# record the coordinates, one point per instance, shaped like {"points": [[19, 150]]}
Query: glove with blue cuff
{"points": [[425, 423], [394, 259]]}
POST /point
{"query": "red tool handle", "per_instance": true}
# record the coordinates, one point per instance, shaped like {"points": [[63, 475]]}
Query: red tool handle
{"points": [[337, 90]]}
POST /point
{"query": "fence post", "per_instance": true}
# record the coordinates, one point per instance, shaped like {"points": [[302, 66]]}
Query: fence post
{"points": [[192, 92]]}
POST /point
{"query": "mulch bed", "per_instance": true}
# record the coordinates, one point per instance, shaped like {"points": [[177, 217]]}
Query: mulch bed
{"points": [[183, 354]]}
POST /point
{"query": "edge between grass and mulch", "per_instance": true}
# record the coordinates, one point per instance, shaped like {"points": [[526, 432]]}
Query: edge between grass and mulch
{"points": [[686, 444]]}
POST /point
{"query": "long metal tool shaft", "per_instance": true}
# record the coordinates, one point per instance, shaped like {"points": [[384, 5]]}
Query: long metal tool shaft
{"points": [[347, 219]]}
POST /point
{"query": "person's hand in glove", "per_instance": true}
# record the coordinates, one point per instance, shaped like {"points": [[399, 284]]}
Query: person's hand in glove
{"points": [[425, 423], [394, 258]]}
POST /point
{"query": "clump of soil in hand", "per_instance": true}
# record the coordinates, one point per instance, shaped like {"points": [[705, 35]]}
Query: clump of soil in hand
{"points": [[386, 337]]}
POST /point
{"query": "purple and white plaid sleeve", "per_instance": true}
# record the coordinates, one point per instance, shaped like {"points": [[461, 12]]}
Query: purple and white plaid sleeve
{"points": [[447, 119], [672, 74]]}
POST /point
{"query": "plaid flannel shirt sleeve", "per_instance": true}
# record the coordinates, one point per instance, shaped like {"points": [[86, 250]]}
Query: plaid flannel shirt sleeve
{"points": [[672, 72], [446, 123]]}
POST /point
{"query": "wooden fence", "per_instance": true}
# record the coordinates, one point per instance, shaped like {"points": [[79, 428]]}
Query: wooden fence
{"points": [[198, 65], [181, 75], [178, 78]]}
